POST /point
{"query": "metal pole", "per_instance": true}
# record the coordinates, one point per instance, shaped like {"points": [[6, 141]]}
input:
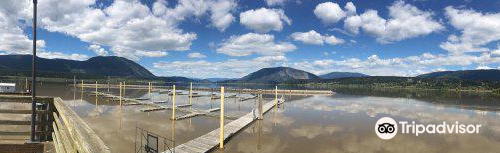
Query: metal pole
{"points": [[33, 77]]}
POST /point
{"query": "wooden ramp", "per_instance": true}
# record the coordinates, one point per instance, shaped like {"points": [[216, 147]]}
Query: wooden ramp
{"points": [[194, 113], [207, 142]]}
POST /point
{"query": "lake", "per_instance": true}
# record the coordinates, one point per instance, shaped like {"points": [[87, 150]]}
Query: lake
{"points": [[343, 122]]}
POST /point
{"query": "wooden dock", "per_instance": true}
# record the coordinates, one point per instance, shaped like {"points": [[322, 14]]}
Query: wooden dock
{"points": [[209, 141], [251, 91]]}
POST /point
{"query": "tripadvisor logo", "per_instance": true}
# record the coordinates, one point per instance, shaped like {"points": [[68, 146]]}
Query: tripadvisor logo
{"points": [[386, 128]]}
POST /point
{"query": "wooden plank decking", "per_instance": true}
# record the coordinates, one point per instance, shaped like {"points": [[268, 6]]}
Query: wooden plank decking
{"points": [[209, 141]]}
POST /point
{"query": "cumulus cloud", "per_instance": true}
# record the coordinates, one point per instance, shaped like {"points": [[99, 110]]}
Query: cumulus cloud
{"points": [[405, 21], [350, 8], [60, 55], [477, 29], [398, 66], [98, 50], [221, 16], [128, 28], [196, 55], [253, 43], [264, 20], [329, 12], [275, 2], [13, 39], [313, 37], [228, 68]]}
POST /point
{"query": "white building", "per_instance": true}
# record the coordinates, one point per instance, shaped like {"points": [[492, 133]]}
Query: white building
{"points": [[7, 87]]}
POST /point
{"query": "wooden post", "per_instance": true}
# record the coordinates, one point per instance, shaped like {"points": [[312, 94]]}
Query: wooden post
{"points": [[276, 97], [96, 94], [124, 87], [221, 138], [109, 86], [260, 106], [149, 87], [120, 88], [173, 102], [191, 94], [26, 85]]}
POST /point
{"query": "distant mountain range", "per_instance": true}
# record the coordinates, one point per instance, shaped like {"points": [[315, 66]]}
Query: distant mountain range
{"points": [[489, 75], [277, 74], [335, 75], [100, 66], [112, 66], [220, 79]]}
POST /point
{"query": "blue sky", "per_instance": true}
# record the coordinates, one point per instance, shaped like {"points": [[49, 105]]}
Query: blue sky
{"points": [[231, 38]]}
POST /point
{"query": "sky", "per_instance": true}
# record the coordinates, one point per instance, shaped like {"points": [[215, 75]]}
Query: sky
{"points": [[232, 38]]}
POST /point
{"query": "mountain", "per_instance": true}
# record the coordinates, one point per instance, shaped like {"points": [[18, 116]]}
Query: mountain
{"points": [[181, 79], [100, 66], [220, 79], [484, 75], [335, 75], [277, 74]]}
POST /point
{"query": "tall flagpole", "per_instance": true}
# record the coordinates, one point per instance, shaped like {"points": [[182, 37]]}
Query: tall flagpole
{"points": [[33, 77]]}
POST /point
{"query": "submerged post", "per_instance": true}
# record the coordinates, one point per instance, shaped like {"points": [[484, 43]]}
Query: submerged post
{"points": [[120, 88], [124, 87], [221, 135], [26, 86], [191, 94], [276, 97], [33, 78], [173, 102], [260, 117], [149, 87]]}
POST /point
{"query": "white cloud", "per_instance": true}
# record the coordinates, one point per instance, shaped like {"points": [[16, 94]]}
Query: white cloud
{"points": [[253, 43], [221, 13], [483, 67], [231, 68], [313, 37], [350, 8], [60, 55], [264, 20], [128, 28], [98, 50], [275, 2], [196, 55], [477, 29], [399, 66], [12, 38], [329, 12], [406, 21]]}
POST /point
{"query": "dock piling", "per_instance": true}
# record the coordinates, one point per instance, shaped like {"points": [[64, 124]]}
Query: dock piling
{"points": [[276, 97], [191, 94], [260, 106], [221, 135], [120, 93], [173, 102]]}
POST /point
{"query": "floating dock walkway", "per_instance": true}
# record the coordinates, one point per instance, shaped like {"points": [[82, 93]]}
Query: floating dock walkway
{"points": [[209, 141], [251, 91]]}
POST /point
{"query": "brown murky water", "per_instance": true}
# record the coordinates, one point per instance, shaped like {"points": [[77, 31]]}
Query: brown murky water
{"points": [[340, 123]]}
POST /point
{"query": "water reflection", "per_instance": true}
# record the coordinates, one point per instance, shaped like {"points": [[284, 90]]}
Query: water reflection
{"points": [[339, 123]]}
